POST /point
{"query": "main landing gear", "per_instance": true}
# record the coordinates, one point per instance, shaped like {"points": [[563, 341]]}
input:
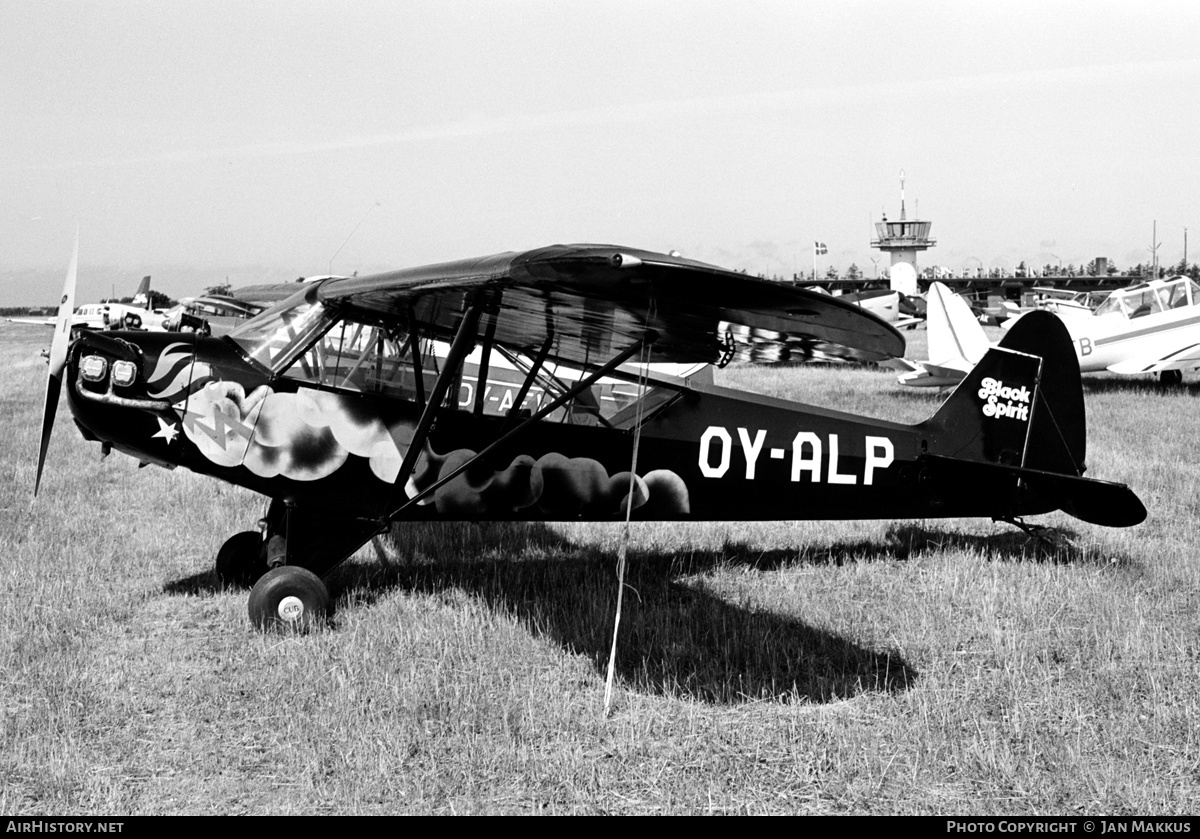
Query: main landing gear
{"points": [[1171, 377], [282, 596], [284, 563]]}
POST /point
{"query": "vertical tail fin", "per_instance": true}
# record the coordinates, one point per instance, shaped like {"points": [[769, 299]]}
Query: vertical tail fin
{"points": [[956, 339], [1021, 406], [141, 297]]}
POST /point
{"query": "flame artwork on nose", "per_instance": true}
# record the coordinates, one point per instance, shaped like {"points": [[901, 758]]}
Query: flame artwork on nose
{"points": [[304, 436]]}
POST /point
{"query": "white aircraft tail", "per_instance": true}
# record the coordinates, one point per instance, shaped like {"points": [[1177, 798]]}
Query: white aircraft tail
{"points": [[956, 342], [956, 338], [141, 297]]}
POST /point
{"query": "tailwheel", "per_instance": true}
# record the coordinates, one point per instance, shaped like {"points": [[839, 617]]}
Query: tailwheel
{"points": [[240, 560], [289, 598]]}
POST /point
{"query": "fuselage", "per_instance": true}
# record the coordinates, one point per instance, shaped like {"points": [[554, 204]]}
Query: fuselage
{"points": [[705, 452]]}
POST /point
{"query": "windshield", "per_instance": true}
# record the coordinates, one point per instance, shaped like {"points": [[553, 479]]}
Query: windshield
{"points": [[1151, 299], [274, 337]]}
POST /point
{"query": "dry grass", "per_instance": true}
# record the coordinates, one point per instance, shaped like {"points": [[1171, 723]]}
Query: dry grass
{"points": [[794, 667]]}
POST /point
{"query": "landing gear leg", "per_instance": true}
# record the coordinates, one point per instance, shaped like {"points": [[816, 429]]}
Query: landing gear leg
{"points": [[1047, 537], [301, 544], [285, 597]]}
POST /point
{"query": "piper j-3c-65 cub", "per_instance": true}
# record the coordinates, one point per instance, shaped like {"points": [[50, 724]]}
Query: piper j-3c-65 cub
{"points": [[531, 386]]}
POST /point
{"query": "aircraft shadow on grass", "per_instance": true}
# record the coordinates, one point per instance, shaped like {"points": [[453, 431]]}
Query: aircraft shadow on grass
{"points": [[677, 638]]}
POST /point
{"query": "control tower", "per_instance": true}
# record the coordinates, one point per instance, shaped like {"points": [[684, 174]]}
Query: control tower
{"points": [[903, 239]]}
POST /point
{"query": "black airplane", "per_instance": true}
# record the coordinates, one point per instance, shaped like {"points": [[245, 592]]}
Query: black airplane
{"points": [[572, 382]]}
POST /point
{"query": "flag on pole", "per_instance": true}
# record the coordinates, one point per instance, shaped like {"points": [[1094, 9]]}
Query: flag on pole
{"points": [[819, 248]]}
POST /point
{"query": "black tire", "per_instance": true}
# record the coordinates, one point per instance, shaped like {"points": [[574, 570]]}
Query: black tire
{"points": [[240, 560], [288, 598], [1171, 377]]}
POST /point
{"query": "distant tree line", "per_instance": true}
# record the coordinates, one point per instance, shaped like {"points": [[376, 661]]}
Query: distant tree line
{"points": [[1096, 267], [27, 311]]}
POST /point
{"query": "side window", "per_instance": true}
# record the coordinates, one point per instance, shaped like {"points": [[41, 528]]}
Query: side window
{"points": [[356, 356], [367, 358]]}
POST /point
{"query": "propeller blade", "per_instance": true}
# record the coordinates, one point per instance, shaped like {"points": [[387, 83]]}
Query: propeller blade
{"points": [[58, 359]]}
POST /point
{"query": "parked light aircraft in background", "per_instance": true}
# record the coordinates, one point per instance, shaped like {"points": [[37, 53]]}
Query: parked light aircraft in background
{"points": [[1065, 302], [1061, 301], [956, 342], [355, 405], [1150, 327], [224, 312], [900, 304], [137, 314], [887, 305]]}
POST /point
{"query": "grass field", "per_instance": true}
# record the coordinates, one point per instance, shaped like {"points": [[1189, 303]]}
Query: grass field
{"points": [[796, 667]]}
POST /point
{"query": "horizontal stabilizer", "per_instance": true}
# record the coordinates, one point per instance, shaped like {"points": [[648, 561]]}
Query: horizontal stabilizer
{"points": [[1096, 502]]}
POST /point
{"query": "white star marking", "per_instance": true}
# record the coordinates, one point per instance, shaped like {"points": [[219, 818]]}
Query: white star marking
{"points": [[167, 430]]}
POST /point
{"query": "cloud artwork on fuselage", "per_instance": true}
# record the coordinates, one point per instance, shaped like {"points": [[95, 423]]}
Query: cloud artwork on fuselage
{"points": [[309, 434]]}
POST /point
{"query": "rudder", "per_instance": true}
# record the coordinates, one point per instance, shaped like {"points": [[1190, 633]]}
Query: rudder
{"points": [[1021, 405]]}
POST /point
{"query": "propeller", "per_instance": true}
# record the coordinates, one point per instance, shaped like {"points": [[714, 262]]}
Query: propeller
{"points": [[58, 359]]}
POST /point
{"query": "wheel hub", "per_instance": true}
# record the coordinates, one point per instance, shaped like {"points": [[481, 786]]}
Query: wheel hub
{"points": [[291, 609]]}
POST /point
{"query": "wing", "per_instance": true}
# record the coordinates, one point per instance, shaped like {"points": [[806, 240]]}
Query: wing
{"points": [[223, 306], [594, 300], [1184, 357]]}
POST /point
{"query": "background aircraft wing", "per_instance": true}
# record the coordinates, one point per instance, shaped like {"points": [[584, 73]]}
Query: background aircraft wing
{"points": [[595, 300], [1183, 357]]}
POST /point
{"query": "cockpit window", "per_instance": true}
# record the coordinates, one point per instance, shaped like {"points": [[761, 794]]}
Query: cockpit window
{"points": [[303, 340], [274, 337], [362, 357], [1147, 299]]}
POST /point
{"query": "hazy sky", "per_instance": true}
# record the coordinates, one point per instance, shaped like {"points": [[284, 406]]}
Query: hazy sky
{"points": [[200, 140]]}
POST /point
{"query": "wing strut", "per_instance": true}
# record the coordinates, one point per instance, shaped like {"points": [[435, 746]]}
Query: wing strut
{"points": [[489, 334], [530, 377], [463, 340], [415, 346], [418, 441]]}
